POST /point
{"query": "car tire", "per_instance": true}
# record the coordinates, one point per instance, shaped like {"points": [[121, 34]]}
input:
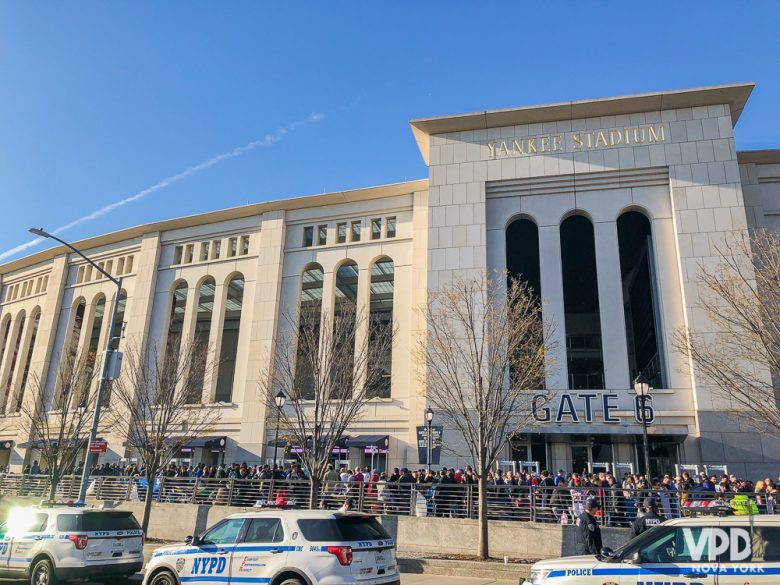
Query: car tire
{"points": [[43, 573], [164, 578], [292, 581]]}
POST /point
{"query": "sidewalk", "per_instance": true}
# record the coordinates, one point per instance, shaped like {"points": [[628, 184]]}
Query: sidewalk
{"points": [[442, 580]]}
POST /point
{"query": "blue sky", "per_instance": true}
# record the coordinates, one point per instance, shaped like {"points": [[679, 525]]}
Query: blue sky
{"points": [[102, 100]]}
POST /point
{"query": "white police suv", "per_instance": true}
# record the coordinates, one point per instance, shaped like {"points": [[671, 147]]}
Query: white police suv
{"points": [[47, 544], [283, 547], [735, 550]]}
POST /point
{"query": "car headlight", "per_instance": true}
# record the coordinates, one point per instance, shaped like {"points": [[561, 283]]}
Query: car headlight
{"points": [[537, 576]]}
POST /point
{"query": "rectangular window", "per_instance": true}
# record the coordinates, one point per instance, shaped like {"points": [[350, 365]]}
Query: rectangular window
{"points": [[232, 247], [129, 265], [189, 255], [88, 274], [355, 231], [80, 275], [322, 235], [45, 282], [109, 266], [38, 283], [390, 227], [308, 236], [341, 232], [178, 253], [120, 264], [244, 245], [216, 249], [204, 251], [376, 229]]}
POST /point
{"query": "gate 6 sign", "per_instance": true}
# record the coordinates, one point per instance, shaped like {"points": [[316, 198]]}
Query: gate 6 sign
{"points": [[649, 410]]}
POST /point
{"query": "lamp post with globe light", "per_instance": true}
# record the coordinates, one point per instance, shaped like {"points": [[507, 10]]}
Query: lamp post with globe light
{"points": [[429, 422], [279, 400], [642, 389]]}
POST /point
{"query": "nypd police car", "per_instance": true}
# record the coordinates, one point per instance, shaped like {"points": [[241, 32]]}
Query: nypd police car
{"points": [[282, 547], [732, 550], [47, 544]]}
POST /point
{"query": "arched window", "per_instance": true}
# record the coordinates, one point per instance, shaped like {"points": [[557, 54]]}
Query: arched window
{"points": [[581, 304], [200, 341], [14, 356], [229, 346], [119, 321], [344, 321], [93, 348], [5, 330], [308, 329], [71, 351], [176, 320], [381, 324], [116, 338], [28, 361], [522, 254], [643, 325]]}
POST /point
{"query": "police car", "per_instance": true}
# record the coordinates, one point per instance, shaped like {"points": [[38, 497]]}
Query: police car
{"points": [[47, 544], [734, 550], [283, 547]]}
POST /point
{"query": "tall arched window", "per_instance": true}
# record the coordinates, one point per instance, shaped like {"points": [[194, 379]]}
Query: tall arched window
{"points": [[120, 320], [581, 304], [5, 330], [643, 324], [381, 324], [14, 357], [116, 338], [229, 346], [28, 361], [93, 348], [71, 352], [200, 341], [344, 321], [308, 329], [522, 254], [176, 320]]}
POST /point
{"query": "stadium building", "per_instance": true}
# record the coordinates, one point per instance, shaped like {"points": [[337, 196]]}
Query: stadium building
{"points": [[606, 206]]}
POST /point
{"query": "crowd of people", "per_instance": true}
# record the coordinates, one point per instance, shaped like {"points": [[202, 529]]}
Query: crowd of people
{"points": [[544, 497]]}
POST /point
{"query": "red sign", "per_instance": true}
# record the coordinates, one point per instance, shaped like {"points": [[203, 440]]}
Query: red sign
{"points": [[98, 447]]}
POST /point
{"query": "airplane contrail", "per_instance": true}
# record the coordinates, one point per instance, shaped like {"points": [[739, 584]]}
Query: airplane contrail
{"points": [[266, 141]]}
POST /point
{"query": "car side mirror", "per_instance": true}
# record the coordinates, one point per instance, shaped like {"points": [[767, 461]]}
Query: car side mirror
{"points": [[608, 553], [192, 540]]}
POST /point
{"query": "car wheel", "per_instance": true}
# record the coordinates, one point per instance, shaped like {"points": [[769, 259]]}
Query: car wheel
{"points": [[292, 581], [43, 573], [164, 578]]}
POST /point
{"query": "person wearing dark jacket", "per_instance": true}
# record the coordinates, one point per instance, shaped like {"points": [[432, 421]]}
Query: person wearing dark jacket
{"points": [[650, 519], [589, 532]]}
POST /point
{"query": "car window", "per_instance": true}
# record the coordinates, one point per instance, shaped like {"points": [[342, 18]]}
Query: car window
{"points": [[226, 532], [100, 521], [343, 529], [24, 520], [68, 523], [766, 544], [679, 545], [264, 530]]}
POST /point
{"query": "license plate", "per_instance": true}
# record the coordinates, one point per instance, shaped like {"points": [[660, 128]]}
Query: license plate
{"points": [[118, 546], [381, 560]]}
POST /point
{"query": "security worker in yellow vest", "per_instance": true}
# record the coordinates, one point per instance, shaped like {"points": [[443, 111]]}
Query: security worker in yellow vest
{"points": [[743, 504]]}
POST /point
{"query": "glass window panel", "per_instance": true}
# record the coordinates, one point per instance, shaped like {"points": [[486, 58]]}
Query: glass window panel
{"points": [[92, 351], [341, 233], [202, 332], [308, 236], [322, 235], [14, 357], [355, 231], [28, 362], [176, 319], [390, 227], [581, 304], [381, 324], [376, 229], [229, 346], [308, 328]]}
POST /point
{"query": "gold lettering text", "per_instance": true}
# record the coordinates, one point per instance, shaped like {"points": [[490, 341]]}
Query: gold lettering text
{"points": [[544, 143], [491, 150], [612, 135], [518, 146], [656, 137], [503, 150], [639, 138], [556, 143], [532, 145], [601, 140]]}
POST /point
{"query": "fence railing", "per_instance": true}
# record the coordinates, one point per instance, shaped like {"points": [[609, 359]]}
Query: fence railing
{"points": [[619, 507]]}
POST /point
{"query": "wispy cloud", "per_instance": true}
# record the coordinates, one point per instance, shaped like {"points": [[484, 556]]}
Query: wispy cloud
{"points": [[264, 142]]}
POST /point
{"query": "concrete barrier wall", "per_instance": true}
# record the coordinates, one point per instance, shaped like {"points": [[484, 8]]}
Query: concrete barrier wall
{"points": [[440, 536]]}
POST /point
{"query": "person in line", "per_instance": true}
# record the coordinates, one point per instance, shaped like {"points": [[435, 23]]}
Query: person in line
{"points": [[589, 531]]}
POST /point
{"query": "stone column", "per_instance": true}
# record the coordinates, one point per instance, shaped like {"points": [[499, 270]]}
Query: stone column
{"points": [[613, 347], [552, 308]]}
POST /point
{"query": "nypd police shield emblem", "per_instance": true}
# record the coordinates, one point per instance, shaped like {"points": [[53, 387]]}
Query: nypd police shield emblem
{"points": [[179, 565]]}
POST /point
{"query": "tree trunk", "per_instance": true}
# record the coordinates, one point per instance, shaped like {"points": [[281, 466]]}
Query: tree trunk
{"points": [[314, 485], [147, 504], [53, 487], [482, 547]]}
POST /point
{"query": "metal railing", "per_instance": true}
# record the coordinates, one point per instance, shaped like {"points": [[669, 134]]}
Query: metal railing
{"points": [[618, 507]]}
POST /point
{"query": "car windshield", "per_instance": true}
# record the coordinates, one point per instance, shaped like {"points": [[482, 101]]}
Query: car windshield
{"points": [[342, 529]]}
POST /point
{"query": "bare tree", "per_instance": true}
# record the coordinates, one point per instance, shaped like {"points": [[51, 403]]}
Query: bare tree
{"points": [[328, 365], [58, 421], [484, 356], [739, 355], [153, 400]]}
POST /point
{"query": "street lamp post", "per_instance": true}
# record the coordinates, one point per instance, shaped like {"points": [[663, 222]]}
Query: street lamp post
{"points": [[642, 389], [279, 401], [429, 422], [106, 356]]}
